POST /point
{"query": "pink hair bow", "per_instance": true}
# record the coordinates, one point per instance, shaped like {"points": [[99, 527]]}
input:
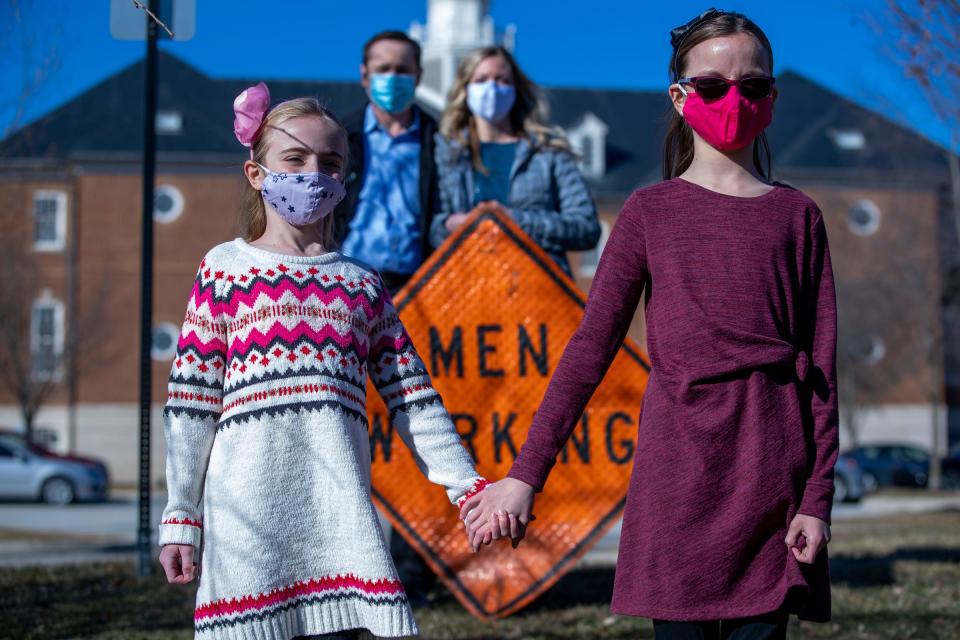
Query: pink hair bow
{"points": [[250, 107]]}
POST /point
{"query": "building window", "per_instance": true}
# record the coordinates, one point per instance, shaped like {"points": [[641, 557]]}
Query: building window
{"points": [[46, 337], [590, 259], [164, 341], [169, 123], [869, 349], [863, 218], [167, 203], [848, 139], [49, 220]]}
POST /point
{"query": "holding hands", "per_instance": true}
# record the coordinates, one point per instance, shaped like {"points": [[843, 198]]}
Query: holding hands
{"points": [[505, 508], [502, 509]]}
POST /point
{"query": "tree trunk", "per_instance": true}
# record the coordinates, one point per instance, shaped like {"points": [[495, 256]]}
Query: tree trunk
{"points": [[934, 481], [953, 161], [28, 418]]}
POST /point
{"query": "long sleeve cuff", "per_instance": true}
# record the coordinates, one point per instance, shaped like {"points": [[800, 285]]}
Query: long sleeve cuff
{"points": [[817, 500], [180, 531], [532, 468], [478, 486]]}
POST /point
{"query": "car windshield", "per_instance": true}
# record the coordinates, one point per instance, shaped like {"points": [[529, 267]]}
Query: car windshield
{"points": [[16, 441], [871, 453], [912, 454]]}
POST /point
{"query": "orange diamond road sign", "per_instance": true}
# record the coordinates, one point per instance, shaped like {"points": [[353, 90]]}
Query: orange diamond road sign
{"points": [[490, 314]]}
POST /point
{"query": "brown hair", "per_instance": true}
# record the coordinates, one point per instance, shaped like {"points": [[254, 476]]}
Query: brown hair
{"points": [[678, 145], [528, 117], [253, 214], [396, 36]]}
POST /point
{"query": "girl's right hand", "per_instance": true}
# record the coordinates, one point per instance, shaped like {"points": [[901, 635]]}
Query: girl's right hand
{"points": [[494, 505], [177, 562], [806, 537]]}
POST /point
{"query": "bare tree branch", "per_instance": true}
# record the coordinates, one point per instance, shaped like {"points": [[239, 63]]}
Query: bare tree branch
{"points": [[18, 43], [84, 336], [140, 5]]}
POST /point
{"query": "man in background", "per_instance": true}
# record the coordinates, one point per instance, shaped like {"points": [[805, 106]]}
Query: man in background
{"points": [[391, 186], [391, 178]]}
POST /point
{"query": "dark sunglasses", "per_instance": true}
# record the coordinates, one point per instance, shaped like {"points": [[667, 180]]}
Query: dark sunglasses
{"points": [[714, 88]]}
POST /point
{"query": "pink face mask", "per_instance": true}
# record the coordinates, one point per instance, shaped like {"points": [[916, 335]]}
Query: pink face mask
{"points": [[729, 123]]}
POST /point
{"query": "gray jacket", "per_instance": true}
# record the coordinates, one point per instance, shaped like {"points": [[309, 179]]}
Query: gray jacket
{"points": [[547, 197]]}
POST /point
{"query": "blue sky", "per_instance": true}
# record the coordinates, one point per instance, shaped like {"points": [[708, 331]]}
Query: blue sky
{"points": [[602, 43]]}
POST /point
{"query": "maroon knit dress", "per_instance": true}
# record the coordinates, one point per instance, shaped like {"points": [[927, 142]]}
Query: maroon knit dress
{"points": [[738, 427]]}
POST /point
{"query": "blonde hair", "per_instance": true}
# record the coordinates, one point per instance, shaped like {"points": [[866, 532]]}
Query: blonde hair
{"points": [[253, 214], [528, 117]]}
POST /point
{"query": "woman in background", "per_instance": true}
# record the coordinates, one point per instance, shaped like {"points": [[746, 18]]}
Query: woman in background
{"points": [[495, 148]]}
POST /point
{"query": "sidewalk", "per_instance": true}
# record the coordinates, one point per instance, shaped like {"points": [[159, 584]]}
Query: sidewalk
{"points": [[38, 534]]}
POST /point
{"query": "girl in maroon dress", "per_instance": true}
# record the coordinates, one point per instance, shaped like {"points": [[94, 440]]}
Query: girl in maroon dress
{"points": [[728, 509]]}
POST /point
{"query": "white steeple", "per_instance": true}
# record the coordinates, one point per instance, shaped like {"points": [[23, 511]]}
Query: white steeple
{"points": [[453, 29]]}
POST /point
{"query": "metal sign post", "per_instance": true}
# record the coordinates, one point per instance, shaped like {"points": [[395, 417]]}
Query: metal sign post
{"points": [[127, 21], [145, 564]]}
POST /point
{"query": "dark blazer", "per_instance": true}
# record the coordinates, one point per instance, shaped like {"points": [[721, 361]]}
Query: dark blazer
{"points": [[356, 162]]}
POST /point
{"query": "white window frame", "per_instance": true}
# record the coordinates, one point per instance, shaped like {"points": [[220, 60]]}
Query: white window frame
{"points": [[171, 330], [876, 218], [169, 122], [878, 350], [176, 196], [47, 301], [60, 241], [589, 270], [848, 139]]}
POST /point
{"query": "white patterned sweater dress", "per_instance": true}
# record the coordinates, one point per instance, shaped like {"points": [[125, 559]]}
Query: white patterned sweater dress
{"points": [[268, 458]]}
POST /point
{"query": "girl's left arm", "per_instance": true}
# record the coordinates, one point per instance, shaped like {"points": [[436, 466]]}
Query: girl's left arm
{"points": [[615, 294], [416, 409], [820, 337], [574, 227]]}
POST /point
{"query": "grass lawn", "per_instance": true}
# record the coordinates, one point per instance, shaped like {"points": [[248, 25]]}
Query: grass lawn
{"points": [[893, 578]]}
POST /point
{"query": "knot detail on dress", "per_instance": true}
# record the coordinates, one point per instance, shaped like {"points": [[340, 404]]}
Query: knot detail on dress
{"points": [[803, 366]]}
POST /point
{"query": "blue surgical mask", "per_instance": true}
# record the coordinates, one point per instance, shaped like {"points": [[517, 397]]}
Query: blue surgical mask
{"points": [[490, 100], [392, 92], [302, 198]]}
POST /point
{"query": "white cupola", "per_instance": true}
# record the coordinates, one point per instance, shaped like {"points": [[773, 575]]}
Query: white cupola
{"points": [[454, 28], [588, 137]]}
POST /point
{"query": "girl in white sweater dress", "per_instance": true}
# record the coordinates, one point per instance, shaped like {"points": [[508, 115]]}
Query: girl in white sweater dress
{"points": [[268, 460]]}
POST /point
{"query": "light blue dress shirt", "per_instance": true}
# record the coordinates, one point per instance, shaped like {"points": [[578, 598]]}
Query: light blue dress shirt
{"points": [[385, 231]]}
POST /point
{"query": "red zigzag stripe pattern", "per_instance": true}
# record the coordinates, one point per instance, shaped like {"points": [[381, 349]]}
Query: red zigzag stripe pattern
{"points": [[235, 606]]}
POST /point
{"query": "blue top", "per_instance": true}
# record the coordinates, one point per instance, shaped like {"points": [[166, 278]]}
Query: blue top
{"points": [[498, 158], [385, 232], [546, 195]]}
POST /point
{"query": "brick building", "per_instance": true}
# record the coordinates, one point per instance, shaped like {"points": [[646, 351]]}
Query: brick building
{"points": [[71, 201]]}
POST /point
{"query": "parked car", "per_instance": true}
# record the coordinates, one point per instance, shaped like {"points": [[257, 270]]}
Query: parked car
{"points": [[892, 465], [30, 471], [847, 480], [950, 469]]}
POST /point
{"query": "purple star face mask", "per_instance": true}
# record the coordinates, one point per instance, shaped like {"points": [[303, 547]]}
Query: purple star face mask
{"points": [[302, 198]]}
